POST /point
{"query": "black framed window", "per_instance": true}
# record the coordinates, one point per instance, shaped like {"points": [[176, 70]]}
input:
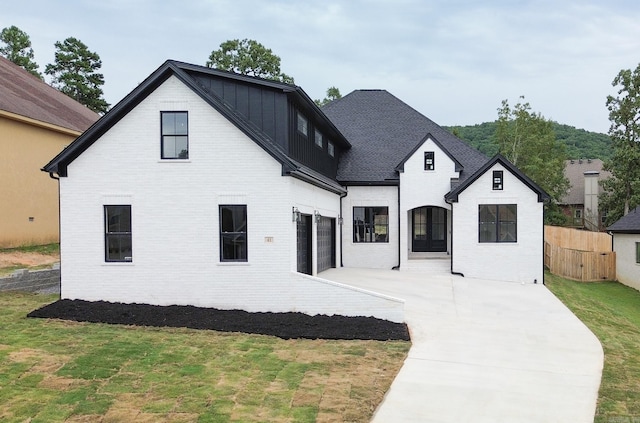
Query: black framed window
{"points": [[117, 233], [331, 149], [303, 124], [233, 233], [318, 138], [497, 180], [498, 223], [429, 160], [371, 224], [638, 252], [175, 135]]}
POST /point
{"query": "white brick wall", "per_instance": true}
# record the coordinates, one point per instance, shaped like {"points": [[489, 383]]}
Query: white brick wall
{"points": [[376, 255], [627, 270], [175, 216], [519, 262]]}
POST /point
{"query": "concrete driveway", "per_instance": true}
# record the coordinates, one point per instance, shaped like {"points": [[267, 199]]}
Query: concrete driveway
{"points": [[485, 351]]}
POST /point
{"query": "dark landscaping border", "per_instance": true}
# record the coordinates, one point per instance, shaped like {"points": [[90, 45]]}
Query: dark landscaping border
{"points": [[282, 325]]}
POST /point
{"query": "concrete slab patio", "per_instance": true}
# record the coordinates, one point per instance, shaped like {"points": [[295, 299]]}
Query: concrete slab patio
{"points": [[485, 351]]}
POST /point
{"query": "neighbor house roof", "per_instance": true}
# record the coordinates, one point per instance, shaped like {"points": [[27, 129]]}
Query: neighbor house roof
{"points": [[574, 171], [452, 196], [186, 73], [383, 131], [24, 95], [629, 224]]}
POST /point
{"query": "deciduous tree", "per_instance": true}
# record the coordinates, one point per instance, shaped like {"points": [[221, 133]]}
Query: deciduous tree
{"points": [[248, 57], [527, 140], [75, 73], [623, 187], [18, 49]]}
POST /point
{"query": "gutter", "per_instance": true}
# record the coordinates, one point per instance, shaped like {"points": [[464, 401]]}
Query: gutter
{"points": [[451, 264], [342, 217], [399, 246]]}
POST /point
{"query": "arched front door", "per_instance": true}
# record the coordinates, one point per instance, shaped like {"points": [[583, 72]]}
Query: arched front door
{"points": [[429, 229]]}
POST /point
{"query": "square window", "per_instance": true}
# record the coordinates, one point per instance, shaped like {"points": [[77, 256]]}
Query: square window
{"points": [[318, 138], [497, 180], [233, 233], [497, 223], [429, 160], [303, 124], [371, 224], [578, 213], [331, 149], [175, 135], [117, 238]]}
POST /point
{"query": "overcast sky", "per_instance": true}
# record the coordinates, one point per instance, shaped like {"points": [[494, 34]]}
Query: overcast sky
{"points": [[454, 61]]}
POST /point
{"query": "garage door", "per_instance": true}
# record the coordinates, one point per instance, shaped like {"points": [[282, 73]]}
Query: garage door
{"points": [[303, 244], [326, 243]]}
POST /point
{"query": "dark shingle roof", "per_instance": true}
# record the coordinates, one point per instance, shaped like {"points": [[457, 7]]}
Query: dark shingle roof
{"points": [[383, 130], [23, 94], [627, 224]]}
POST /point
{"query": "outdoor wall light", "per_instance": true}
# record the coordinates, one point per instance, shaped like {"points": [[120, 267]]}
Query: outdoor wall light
{"points": [[317, 215], [295, 214], [340, 220]]}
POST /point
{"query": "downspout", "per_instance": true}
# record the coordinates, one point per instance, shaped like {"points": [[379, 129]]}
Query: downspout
{"points": [[451, 264], [57, 178], [399, 246], [342, 217]]}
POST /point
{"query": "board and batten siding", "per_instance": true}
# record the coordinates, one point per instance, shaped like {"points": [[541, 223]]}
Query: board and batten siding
{"points": [[175, 222], [520, 261]]}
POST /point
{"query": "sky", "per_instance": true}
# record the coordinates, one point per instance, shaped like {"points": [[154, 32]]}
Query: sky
{"points": [[452, 60]]}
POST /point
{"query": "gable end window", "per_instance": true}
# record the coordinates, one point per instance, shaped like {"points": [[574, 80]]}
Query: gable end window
{"points": [[233, 233], [498, 223], [331, 149], [318, 138], [429, 160], [371, 224], [303, 124], [175, 135], [117, 234], [497, 180]]}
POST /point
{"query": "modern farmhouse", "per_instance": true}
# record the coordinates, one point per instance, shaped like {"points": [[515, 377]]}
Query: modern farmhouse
{"points": [[214, 189]]}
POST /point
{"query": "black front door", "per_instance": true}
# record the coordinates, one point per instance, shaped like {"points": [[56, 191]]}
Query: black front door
{"points": [[429, 229], [304, 244]]}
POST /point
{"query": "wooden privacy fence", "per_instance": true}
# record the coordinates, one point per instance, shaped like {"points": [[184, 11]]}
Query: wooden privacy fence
{"points": [[584, 266], [577, 240]]}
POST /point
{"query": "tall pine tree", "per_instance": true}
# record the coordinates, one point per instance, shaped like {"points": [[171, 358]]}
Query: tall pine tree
{"points": [[18, 49]]}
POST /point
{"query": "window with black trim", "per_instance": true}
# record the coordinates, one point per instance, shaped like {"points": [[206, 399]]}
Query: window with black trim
{"points": [[318, 138], [371, 224], [331, 149], [498, 223], [117, 233], [175, 135], [638, 252], [303, 124], [233, 232], [497, 180], [429, 160]]}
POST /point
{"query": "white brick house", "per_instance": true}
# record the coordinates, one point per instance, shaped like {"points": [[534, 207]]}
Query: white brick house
{"points": [[213, 189]]}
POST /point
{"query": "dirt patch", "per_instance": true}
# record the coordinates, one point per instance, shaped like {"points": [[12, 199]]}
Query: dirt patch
{"points": [[282, 325], [19, 258]]}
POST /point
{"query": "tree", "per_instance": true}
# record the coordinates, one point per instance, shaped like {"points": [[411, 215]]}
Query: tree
{"points": [[248, 57], [333, 93], [75, 74], [528, 141], [623, 187], [18, 49]]}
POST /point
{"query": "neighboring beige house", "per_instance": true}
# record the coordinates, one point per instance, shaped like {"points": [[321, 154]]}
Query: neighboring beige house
{"points": [[36, 122], [626, 244], [581, 203]]}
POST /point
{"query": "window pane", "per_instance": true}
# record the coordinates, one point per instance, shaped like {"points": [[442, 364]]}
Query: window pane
{"points": [[181, 123], [507, 226], [330, 149], [370, 224], [168, 124], [175, 135], [118, 233], [234, 247], [118, 218], [233, 233], [637, 252], [119, 247], [487, 223], [318, 138], [302, 124]]}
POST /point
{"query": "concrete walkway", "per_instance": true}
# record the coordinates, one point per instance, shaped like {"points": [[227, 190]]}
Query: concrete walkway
{"points": [[485, 351]]}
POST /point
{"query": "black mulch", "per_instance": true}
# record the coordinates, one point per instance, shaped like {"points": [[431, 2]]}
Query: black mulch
{"points": [[282, 325]]}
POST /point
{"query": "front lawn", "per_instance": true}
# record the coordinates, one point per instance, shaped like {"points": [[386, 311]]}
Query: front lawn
{"points": [[55, 371], [612, 312]]}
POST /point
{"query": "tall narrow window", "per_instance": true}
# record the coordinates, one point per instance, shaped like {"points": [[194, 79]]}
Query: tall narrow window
{"points": [[117, 238], [497, 223], [429, 160], [303, 124], [175, 135], [371, 224], [318, 138], [638, 252], [233, 233], [331, 149], [497, 180]]}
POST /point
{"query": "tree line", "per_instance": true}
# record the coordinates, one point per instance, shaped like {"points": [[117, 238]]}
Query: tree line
{"points": [[537, 146]]}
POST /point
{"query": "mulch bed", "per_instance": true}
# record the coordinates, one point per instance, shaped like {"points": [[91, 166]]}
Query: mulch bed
{"points": [[282, 325]]}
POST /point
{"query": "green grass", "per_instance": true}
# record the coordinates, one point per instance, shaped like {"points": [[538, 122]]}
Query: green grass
{"points": [[55, 371], [48, 249], [612, 312]]}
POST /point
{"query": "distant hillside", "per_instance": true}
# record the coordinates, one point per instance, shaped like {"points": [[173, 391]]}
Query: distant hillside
{"points": [[580, 144]]}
